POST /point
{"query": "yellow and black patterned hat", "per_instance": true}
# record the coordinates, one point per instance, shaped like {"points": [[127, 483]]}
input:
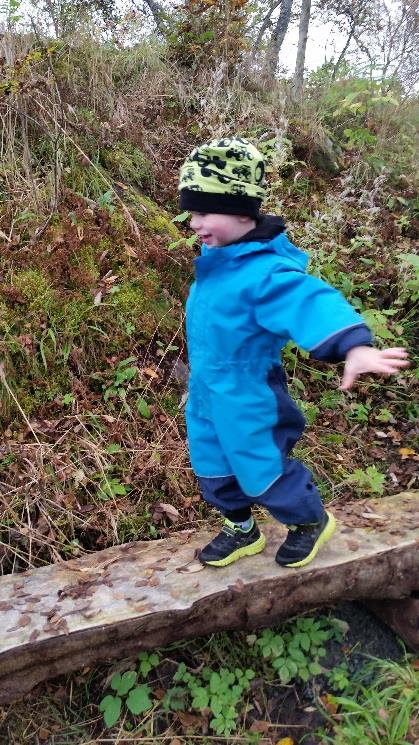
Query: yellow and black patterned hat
{"points": [[224, 176]]}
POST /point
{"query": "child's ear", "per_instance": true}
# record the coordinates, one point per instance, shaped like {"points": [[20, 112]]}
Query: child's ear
{"points": [[245, 219]]}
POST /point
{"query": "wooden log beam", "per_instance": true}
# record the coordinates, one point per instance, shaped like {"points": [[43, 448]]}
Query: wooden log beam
{"points": [[402, 616], [142, 595]]}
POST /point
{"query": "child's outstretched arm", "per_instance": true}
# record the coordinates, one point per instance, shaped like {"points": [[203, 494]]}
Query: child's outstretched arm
{"points": [[370, 360]]}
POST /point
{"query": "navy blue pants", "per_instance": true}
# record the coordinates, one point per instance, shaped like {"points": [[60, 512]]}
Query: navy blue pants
{"points": [[293, 498]]}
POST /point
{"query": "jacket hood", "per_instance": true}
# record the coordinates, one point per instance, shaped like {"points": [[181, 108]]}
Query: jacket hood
{"points": [[268, 236]]}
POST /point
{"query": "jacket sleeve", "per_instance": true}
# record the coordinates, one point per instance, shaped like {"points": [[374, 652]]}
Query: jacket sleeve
{"points": [[298, 306]]}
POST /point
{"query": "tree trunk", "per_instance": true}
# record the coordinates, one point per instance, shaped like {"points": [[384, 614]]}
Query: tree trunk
{"points": [[278, 35], [264, 26], [298, 79], [144, 595]]}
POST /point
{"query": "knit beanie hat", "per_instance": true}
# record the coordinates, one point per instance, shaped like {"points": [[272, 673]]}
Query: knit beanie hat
{"points": [[223, 176]]}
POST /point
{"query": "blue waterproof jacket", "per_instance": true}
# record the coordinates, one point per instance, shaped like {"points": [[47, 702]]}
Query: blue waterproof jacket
{"points": [[249, 299]]}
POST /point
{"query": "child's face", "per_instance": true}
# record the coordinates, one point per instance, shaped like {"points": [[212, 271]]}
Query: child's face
{"points": [[219, 230]]}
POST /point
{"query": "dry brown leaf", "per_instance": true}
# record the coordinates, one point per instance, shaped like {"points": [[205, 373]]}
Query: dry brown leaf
{"points": [[190, 568], [190, 721], [141, 608], [150, 372], [5, 606], [259, 725], [163, 508], [407, 453], [130, 251]]}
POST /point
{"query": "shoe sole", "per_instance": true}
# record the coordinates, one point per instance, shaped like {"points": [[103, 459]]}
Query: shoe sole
{"points": [[250, 550], [324, 536]]}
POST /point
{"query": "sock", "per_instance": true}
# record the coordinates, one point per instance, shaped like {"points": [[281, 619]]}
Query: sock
{"points": [[245, 525]]}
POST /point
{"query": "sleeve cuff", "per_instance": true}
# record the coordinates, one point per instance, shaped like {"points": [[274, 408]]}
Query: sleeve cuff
{"points": [[336, 347]]}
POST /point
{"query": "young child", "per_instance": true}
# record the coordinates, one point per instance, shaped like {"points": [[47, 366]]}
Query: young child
{"points": [[250, 297]]}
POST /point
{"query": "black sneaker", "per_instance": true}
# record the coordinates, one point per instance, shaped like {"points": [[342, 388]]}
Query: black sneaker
{"points": [[303, 542], [231, 544]]}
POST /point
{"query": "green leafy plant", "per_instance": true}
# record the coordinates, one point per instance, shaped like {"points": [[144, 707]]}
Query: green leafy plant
{"points": [[105, 201], [111, 487], [377, 320], [295, 652], [369, 480], [130, 694], [219, 691], [122, 376], [359, 412], [338, 677], [412, 282]]}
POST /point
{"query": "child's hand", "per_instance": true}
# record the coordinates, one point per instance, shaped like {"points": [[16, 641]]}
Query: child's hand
{"points": [[370, 360]]}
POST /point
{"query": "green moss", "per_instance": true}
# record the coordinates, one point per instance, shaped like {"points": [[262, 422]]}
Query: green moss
{"points": [[6, 318], [118, 221], [139, 303], [153, 218], [34, 390], [86, 257], [170, 403], [70, 318], [128, 163], [35, 288], [133, 527]]}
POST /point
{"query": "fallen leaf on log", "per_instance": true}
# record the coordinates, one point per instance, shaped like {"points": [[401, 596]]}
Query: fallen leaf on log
{"points": [[56, 622], [190, 568], [352, 545], [23, 621], [141, 608]]}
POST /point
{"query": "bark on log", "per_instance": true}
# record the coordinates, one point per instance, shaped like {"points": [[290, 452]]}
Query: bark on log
{"points": [[143, 595]]}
